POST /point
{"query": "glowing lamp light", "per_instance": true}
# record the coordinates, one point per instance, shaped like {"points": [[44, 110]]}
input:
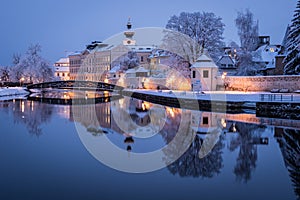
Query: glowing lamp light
{"points": [[143, 106], [224, 75], [223, 122]]}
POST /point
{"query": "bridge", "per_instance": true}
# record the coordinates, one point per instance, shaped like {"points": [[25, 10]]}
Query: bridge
{"points": [[75, 85]]}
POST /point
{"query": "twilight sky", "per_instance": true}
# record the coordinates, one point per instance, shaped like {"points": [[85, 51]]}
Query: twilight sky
{"points": [[68, 25]]}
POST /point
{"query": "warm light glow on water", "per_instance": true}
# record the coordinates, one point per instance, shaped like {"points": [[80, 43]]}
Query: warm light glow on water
{"points": [[41, 150]]}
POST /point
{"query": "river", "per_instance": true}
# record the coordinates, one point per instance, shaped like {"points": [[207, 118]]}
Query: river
{"points": [[130, 149]]}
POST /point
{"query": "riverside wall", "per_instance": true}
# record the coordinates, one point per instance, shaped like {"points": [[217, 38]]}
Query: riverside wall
{"points": [[259, 83]]}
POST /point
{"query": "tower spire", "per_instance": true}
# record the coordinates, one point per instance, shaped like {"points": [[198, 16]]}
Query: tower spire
{"points": [[129, 24], [129, 34]]}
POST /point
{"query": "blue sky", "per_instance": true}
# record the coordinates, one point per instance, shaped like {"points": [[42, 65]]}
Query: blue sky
{"points": [[68, 25]]}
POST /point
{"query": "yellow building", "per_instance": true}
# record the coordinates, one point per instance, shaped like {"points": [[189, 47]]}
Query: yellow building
{"points": [[95, 62]]}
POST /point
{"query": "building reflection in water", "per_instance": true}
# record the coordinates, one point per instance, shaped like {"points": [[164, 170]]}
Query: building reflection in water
{"points": [[211, 133]]}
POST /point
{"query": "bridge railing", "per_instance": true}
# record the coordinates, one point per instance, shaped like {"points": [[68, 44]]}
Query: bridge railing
{"points": [[279, 97], [76, 85]]}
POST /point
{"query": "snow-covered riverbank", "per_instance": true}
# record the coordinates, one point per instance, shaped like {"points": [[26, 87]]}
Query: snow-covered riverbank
{"points": [[12, 92]]}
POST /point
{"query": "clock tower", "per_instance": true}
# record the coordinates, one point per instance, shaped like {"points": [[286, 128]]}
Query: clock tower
{"points": [[129, 34]]}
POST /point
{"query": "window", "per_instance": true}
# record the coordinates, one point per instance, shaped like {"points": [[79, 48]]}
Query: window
{"points": [[142, 58], [205, 73], [205, 120], [194, 74]]}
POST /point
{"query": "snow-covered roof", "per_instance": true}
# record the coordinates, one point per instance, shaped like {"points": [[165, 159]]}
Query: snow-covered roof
{"points": [[63, 60], [266, 54], [130, 71], [204, 61], [142, 48], [115, 69], [75, 53], [142, 69], [99, 47], [158, 53], [226, 60], [61, 69]]}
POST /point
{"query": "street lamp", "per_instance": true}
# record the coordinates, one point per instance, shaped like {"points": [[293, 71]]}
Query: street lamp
{"points": [[21, 81], [224, 75], [224, 80]]}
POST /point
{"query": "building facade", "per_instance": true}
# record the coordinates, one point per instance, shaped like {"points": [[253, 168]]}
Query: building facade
{"points": [[75, 60], [96, 61], [204, 74], [62, 69]]}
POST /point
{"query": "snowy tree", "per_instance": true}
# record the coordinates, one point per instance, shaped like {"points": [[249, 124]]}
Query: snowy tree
{"points": [[4, 73], [16, 58], [246, 67], [16, 73], [178, 72], [173, 61], [32, 66], [247, 30], [248, 33], [181, 44], [292, 60], [205, 29], [129, 61]]}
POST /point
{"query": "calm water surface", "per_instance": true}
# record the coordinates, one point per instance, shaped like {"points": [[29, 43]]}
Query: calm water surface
{"points": [[43, 156]]}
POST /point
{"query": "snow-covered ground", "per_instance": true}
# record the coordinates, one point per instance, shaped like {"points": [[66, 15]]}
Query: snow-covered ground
{"points": [[12, 92], [232, 96]]}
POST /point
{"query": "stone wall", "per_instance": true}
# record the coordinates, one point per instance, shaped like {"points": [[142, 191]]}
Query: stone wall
{"points": [[259, 83]]}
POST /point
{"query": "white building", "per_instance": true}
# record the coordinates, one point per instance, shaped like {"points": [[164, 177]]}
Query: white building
{"points": [[204, 74], [62, 69]]}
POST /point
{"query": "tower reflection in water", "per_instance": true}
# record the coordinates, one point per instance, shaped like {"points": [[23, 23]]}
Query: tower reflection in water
{"points": [[239, 132]]}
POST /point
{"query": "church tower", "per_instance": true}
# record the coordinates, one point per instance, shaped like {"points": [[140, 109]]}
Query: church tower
{"points": [[129, 35]]}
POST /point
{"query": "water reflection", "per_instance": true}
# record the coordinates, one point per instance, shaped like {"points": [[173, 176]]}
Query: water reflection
{"points": [[247, 139], [30, 113], [190, 164], [212, 133], [289, 143]]}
